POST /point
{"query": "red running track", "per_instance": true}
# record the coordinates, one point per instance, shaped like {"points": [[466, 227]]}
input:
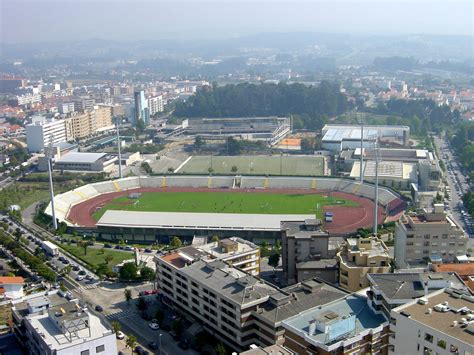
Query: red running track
{"points": [[345, 220]]}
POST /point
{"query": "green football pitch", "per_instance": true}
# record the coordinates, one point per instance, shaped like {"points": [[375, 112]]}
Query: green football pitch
{"points": [[303, 165], [224, 202]]}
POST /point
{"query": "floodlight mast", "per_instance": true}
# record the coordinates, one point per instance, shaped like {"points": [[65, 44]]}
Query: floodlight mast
{"points": [[119, 148], [361, 150], [376, 199], [49, 159]]}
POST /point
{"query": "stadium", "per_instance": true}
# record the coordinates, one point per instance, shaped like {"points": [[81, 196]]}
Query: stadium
{"points": [[204, 206]]}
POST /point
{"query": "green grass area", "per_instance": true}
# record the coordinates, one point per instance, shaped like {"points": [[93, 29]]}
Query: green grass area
{"points": [[259, 165], [225, 202], [94, 256]]}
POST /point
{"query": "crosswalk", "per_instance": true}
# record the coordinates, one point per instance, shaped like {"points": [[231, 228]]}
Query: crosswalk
{"points": [[87, 287], [119, 314]]}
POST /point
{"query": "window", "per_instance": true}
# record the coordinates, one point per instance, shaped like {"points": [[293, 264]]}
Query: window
{"points": [[442, 344], [85, 352], [428, 337], [426, 236], [100, 349]]}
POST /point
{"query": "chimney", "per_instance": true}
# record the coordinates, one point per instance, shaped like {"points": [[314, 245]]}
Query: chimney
{"points": [[312, 327]]}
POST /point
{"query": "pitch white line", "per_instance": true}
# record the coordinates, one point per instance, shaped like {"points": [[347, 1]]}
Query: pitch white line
{"points": [[182, 164]]}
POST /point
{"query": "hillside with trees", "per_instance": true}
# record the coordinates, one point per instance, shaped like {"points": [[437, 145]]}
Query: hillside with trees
{"points": [[420, 115], [312, 105]]}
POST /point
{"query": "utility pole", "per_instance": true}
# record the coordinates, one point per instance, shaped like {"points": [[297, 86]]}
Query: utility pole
{"points": [[119, 148], [376, 198], [49, 158]]}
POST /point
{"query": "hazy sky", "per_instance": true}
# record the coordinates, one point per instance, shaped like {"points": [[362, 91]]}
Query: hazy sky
{"points": [[53, 20]]}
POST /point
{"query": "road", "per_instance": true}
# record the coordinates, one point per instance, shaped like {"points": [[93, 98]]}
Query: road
{"points": [[456, 187]]}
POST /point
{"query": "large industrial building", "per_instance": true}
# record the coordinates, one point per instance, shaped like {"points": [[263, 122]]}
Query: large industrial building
{"points": [[269, 129], [93, 162], [338, 137]]}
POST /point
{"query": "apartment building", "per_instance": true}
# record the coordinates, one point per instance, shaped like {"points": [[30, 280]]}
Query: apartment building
{"points": [[389, 291], [42, 132], [155, 104], [49, 324], [428, 235], [344, 326], [237, 252], [80, 125], [84, 124], [306, 252], [235, 306], [359, 257], [440, 323], [220, 296]]}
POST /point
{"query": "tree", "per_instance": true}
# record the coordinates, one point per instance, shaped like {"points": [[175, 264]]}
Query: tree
{"points": [[215, 239], [210, 170], [177, 326], [176, 243], [146, 167], [116, 326], [102, 269], [128, 271], [307, 144], [198, 143], [18, 234], [128, 295], [234, 168], [170, 170], [66, 270], [159, 315], [274, 259], [108, 258], [147, 273], [141, 305], [220, 349], [131, 342], [84, 244], [233, 146]]}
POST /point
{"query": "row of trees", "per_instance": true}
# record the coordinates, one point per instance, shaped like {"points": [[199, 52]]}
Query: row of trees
{"points": [[250, 100], [468, 200], [34, 262], [131, 272], [420, 115], [462, 141]]}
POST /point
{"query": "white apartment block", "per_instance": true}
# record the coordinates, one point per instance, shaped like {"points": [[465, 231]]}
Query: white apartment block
{"points": [[155, 104], [423, 236], [42, 132], [440, 323]]}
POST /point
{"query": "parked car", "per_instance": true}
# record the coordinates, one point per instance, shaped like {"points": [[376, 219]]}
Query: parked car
{"points": [[79, 278], [82, 272], [147, 250], [120, 335], [107, 245], [99, 308], [76, 268], [139, 350], [154, 326]]}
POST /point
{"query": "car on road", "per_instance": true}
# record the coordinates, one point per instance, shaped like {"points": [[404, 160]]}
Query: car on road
{"points": [[147, 250], [99, 308], [154, 326], [153, 345], [120, 335], [129, 248], [107, 245]]}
